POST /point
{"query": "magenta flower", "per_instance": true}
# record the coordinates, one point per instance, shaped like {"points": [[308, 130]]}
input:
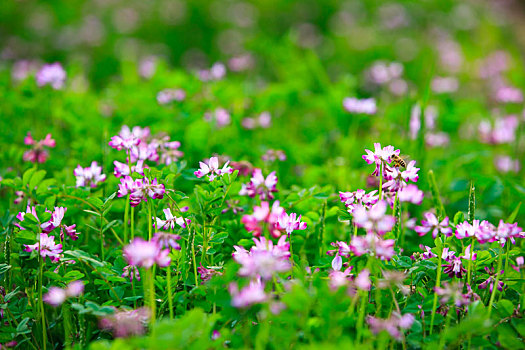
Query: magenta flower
{"points": [[258, 185], [428, 253], [38, 154], [362, 281], [264, 216], [122, 169], [360, 106], [264, 259], [380, 156], [126, 323], [372, 244], [359, 197], [51, 74], [489, 282], [340, 278], [167, 96], [432, 224], [167, 240], [207, 274], [90, 176], [140, 189], [410, 193], [170, 221], [251, 294], [393, 326], [290, 223], [131, 271], [211, 168], [46, 247], [56, 296], [20, 216], [375, 219], [145, 254], [127, 138], [55, 221]]}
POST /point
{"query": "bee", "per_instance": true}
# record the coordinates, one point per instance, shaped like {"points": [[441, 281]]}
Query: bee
{"points": [[398, 161]]}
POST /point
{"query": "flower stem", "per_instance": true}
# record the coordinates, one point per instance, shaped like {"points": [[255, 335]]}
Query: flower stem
{"points": [[495, 288], [153, 306], [132, 223], [150, 224], [126, 214], [438, 283], [41, 302], [291, 251], [381, 183], [469, 272], [170, 295]]}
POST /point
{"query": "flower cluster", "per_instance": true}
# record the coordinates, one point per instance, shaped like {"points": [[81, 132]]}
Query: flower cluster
{"points": [[125, 323], [360, 106], [56, 296], [263, 120], [454, 266], [432, 224], [264, 259], [139, 190], [211, 169], [264, 216], [394, 325], [37, 153], [46, 247], [260, 186], [380, 156], [90, 176], [51, 74], [503, 130], [373, 245], [170, 221], [216, 72], [485, 232], [272, 155], [122, 169], [353, 199], [145, 254], [167, 96], [374, 219], [220, 116]]}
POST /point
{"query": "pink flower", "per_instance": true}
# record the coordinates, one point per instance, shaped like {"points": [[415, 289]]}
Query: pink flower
{"points": [[170, 220], [410, 194], [126, 323], [432, 224], [506, 164], [258, 185], [380, 156], [453, 291], [131, 271], [167, 96], [122, 169], [21, 215], [167, 240], [127, 138], [362, 281], [264, 259], [46, 247], [393, 325], [51, 74], [340, 278], [272, 155], [375, 219], [211, 168], [55, 296], [351, 199], [90, 176], [220, 116], [360, 106], [140, 189], [290, 223], [143, 253], [264, 215], [372, 244], [428, 253], [55, 221], [38, 154], [251, 294]]}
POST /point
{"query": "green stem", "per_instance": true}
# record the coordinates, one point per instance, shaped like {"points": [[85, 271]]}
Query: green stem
{"points": [[41, 302], [469, 272], [153, 304], [150, 224], [495, 288], [438, 284], [132, 223], [126, 215], [291, 252], [193, 258], [101, 236], [170, 295], [381, 183]]}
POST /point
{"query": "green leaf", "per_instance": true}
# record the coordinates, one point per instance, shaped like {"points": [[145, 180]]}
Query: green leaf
{"points": [[37, 178], [27, 176], [505, 308], [22, 327], [514, 214], [459, 217]]}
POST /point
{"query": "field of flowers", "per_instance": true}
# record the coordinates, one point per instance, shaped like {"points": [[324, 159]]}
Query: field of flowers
{"points": [[262, 175]]}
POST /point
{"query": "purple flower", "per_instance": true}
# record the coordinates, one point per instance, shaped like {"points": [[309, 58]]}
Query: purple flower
{"points": [[211, 168], [432, 224], [489, 282], [375, 219], [143, 253], [126, 323], [360, 106], [380, 156], [258, 185], [21, 215], [428, 253], [46, 247], [122, 169], [51, 74], [411, 193], [131, 271], [167, 240], [453, 291], [251, 294], [264, 259], [290, 223], [38, 154], [170, 221], [359, 197], [372, 244], [90, 176]]}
